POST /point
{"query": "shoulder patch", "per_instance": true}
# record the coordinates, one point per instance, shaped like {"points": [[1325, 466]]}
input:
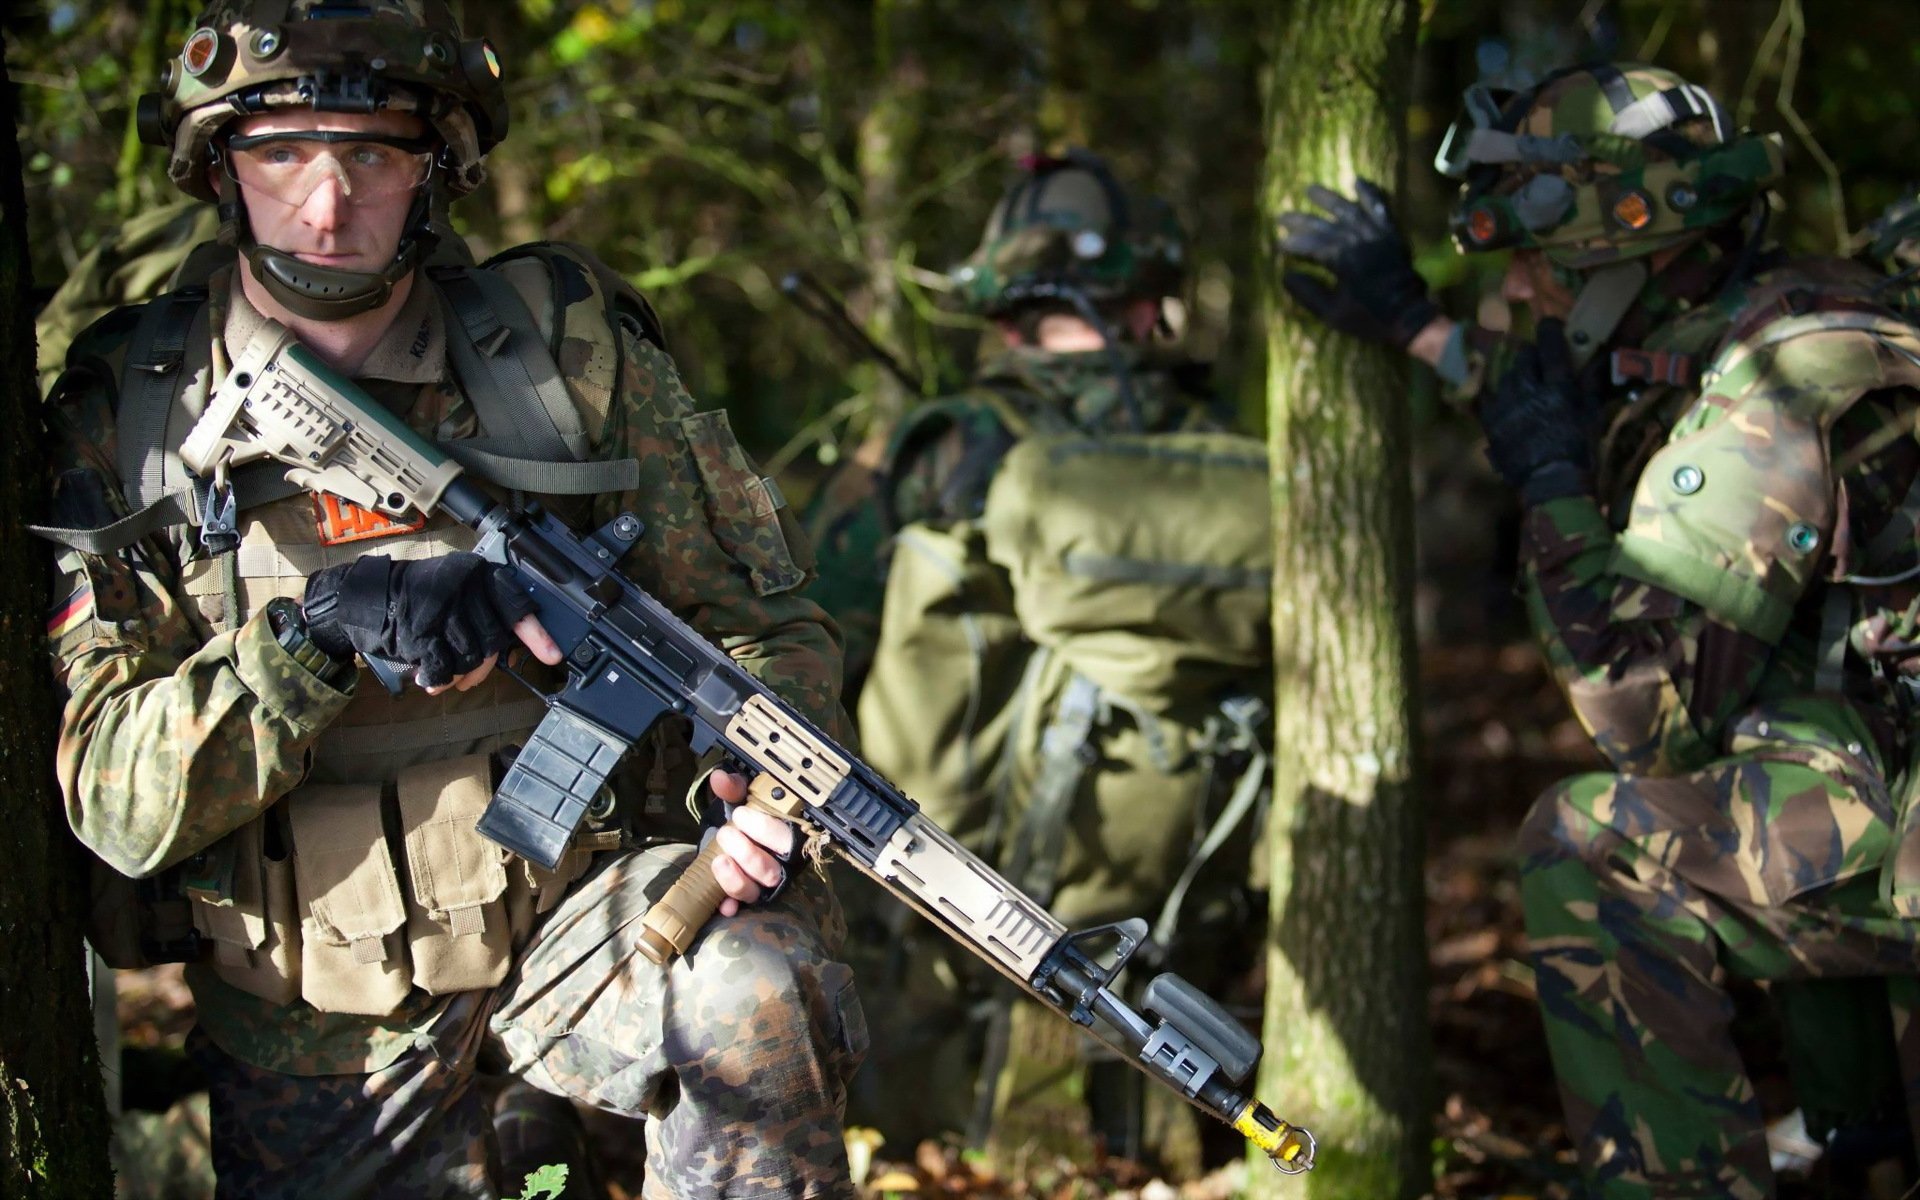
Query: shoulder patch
{"points": [[72, 611]]}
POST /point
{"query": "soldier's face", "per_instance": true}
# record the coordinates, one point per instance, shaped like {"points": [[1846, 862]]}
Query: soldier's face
{"points": [[1531, 281], [327, 220]]}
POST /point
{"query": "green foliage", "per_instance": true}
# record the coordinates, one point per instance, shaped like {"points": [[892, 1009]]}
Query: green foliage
{"points": [[707, 149], [545, 1184]]}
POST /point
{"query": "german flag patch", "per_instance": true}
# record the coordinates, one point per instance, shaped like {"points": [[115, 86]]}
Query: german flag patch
{"points": [[71, 613]]}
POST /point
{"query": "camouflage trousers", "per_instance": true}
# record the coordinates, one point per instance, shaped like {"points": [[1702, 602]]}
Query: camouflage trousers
{"points": [[1643, 896], [738, 1057]]}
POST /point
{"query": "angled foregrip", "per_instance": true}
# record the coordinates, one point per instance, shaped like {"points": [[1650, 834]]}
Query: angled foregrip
{"points": [[678, 917]]}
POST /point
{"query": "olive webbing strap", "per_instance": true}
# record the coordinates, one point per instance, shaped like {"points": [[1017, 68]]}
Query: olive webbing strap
{"points": [[1245, 716], [255, 484], [440, 729], [1602, 304], [501, 360], [540, 477], [498, 354], [1830, 658], [1064, 753], [149, 382]]}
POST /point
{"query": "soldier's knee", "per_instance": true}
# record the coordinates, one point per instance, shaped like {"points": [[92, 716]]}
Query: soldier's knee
{"points": [[761, 984]]}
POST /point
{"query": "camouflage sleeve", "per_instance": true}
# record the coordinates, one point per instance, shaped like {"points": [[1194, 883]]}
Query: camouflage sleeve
{"points": [[1651, 676], [720, 547], [166, 742]]}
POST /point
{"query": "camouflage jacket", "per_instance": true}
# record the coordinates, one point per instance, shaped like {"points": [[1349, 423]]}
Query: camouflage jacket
{"points": [[1692, 588], [172, 735]]}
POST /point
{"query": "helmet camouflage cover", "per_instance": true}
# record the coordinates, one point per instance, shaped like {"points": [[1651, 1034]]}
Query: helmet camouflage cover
{"points": [[1068, 226], [250, 56], [1600, 163]]}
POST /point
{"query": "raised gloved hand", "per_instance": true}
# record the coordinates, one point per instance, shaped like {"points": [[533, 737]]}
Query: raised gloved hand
{"points": [[1376, 295], [1538, 431], [443, 616]]}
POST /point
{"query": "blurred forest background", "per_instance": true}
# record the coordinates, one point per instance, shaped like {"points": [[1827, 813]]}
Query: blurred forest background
{"points": [[707, 148]]}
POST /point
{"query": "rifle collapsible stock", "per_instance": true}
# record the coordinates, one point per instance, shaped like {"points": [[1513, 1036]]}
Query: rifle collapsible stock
{"points": [[630, 661]]}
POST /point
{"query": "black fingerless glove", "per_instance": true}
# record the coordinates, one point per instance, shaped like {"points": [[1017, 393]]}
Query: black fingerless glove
{"points": [[1375, 294], [1539, 433], [441, 616]]}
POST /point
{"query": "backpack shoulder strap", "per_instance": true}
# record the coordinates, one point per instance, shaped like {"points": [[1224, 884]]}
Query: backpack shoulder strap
{"points": [[991, 422], [536, 440], [151, 379], [499, 356], [161, 493]]}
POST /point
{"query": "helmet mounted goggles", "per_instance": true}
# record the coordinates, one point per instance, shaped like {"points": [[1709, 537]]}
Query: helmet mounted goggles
{"points": [[1633, 184]]}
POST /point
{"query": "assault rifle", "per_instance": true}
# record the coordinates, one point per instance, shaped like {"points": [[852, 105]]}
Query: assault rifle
{"points": [[630, 661]]}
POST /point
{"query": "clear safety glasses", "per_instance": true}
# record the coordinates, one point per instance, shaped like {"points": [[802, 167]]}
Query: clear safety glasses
{"points": [[291, 166]]}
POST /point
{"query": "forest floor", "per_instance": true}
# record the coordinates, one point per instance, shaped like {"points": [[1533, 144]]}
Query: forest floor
{"points": [[1497, 734]]}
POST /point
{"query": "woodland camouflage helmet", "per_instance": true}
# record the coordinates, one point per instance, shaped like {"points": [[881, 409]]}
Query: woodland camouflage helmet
{"points": [[253, 56], [1069, 228], [1600, 163], [246, 57]]}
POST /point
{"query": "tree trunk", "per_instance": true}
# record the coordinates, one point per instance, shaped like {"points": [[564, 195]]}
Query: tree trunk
{"points": [[56, 1126], [1346, 1029], [888, 135]]}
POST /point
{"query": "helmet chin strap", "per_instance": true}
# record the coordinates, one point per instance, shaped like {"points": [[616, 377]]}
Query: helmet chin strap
{"points": [[1601, 305], [327, 293]]}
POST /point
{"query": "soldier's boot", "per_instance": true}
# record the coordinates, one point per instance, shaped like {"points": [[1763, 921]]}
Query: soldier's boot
{"points": [[533, 1130]]}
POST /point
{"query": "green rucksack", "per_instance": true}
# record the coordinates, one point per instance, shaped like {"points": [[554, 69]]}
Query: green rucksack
{"points": [[1108, 605], [1140, 571]]}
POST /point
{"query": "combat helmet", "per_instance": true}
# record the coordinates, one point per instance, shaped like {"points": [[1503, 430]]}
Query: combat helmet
{"points": [[1599, 166], [1066, 230], [255, 56]]}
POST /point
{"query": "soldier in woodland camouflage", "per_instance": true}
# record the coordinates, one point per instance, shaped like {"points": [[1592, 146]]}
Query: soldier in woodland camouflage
{"points": [[261, 808], [1714, 448]]}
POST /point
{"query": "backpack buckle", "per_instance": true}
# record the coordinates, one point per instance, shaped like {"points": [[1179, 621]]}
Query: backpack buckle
{"points": [[219, 514]]}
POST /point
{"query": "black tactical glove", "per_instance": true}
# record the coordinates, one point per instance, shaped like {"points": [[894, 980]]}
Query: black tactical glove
{"points": [[1538, 433], [443, 616], [1375, 295]]}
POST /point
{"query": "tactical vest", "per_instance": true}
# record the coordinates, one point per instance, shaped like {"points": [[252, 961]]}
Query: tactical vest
{"points": [[368, 879], [1074, 652], [1742, 512]]}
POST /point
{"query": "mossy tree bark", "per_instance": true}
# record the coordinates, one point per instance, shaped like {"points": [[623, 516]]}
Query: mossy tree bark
{"points": [[1346, 1030], [55, 1136]]}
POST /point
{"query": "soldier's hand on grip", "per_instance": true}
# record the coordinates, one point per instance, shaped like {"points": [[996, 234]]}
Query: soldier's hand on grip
{"points": [[1375, 293], [1538, 432], [443, 616]]}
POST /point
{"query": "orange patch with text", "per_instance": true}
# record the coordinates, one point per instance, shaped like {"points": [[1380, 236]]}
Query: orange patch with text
{"points": [[342, 521]]}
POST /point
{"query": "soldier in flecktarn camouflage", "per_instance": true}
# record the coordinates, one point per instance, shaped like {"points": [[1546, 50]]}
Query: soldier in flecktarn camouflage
{"points": [[262, 809], [1714, 449]]}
